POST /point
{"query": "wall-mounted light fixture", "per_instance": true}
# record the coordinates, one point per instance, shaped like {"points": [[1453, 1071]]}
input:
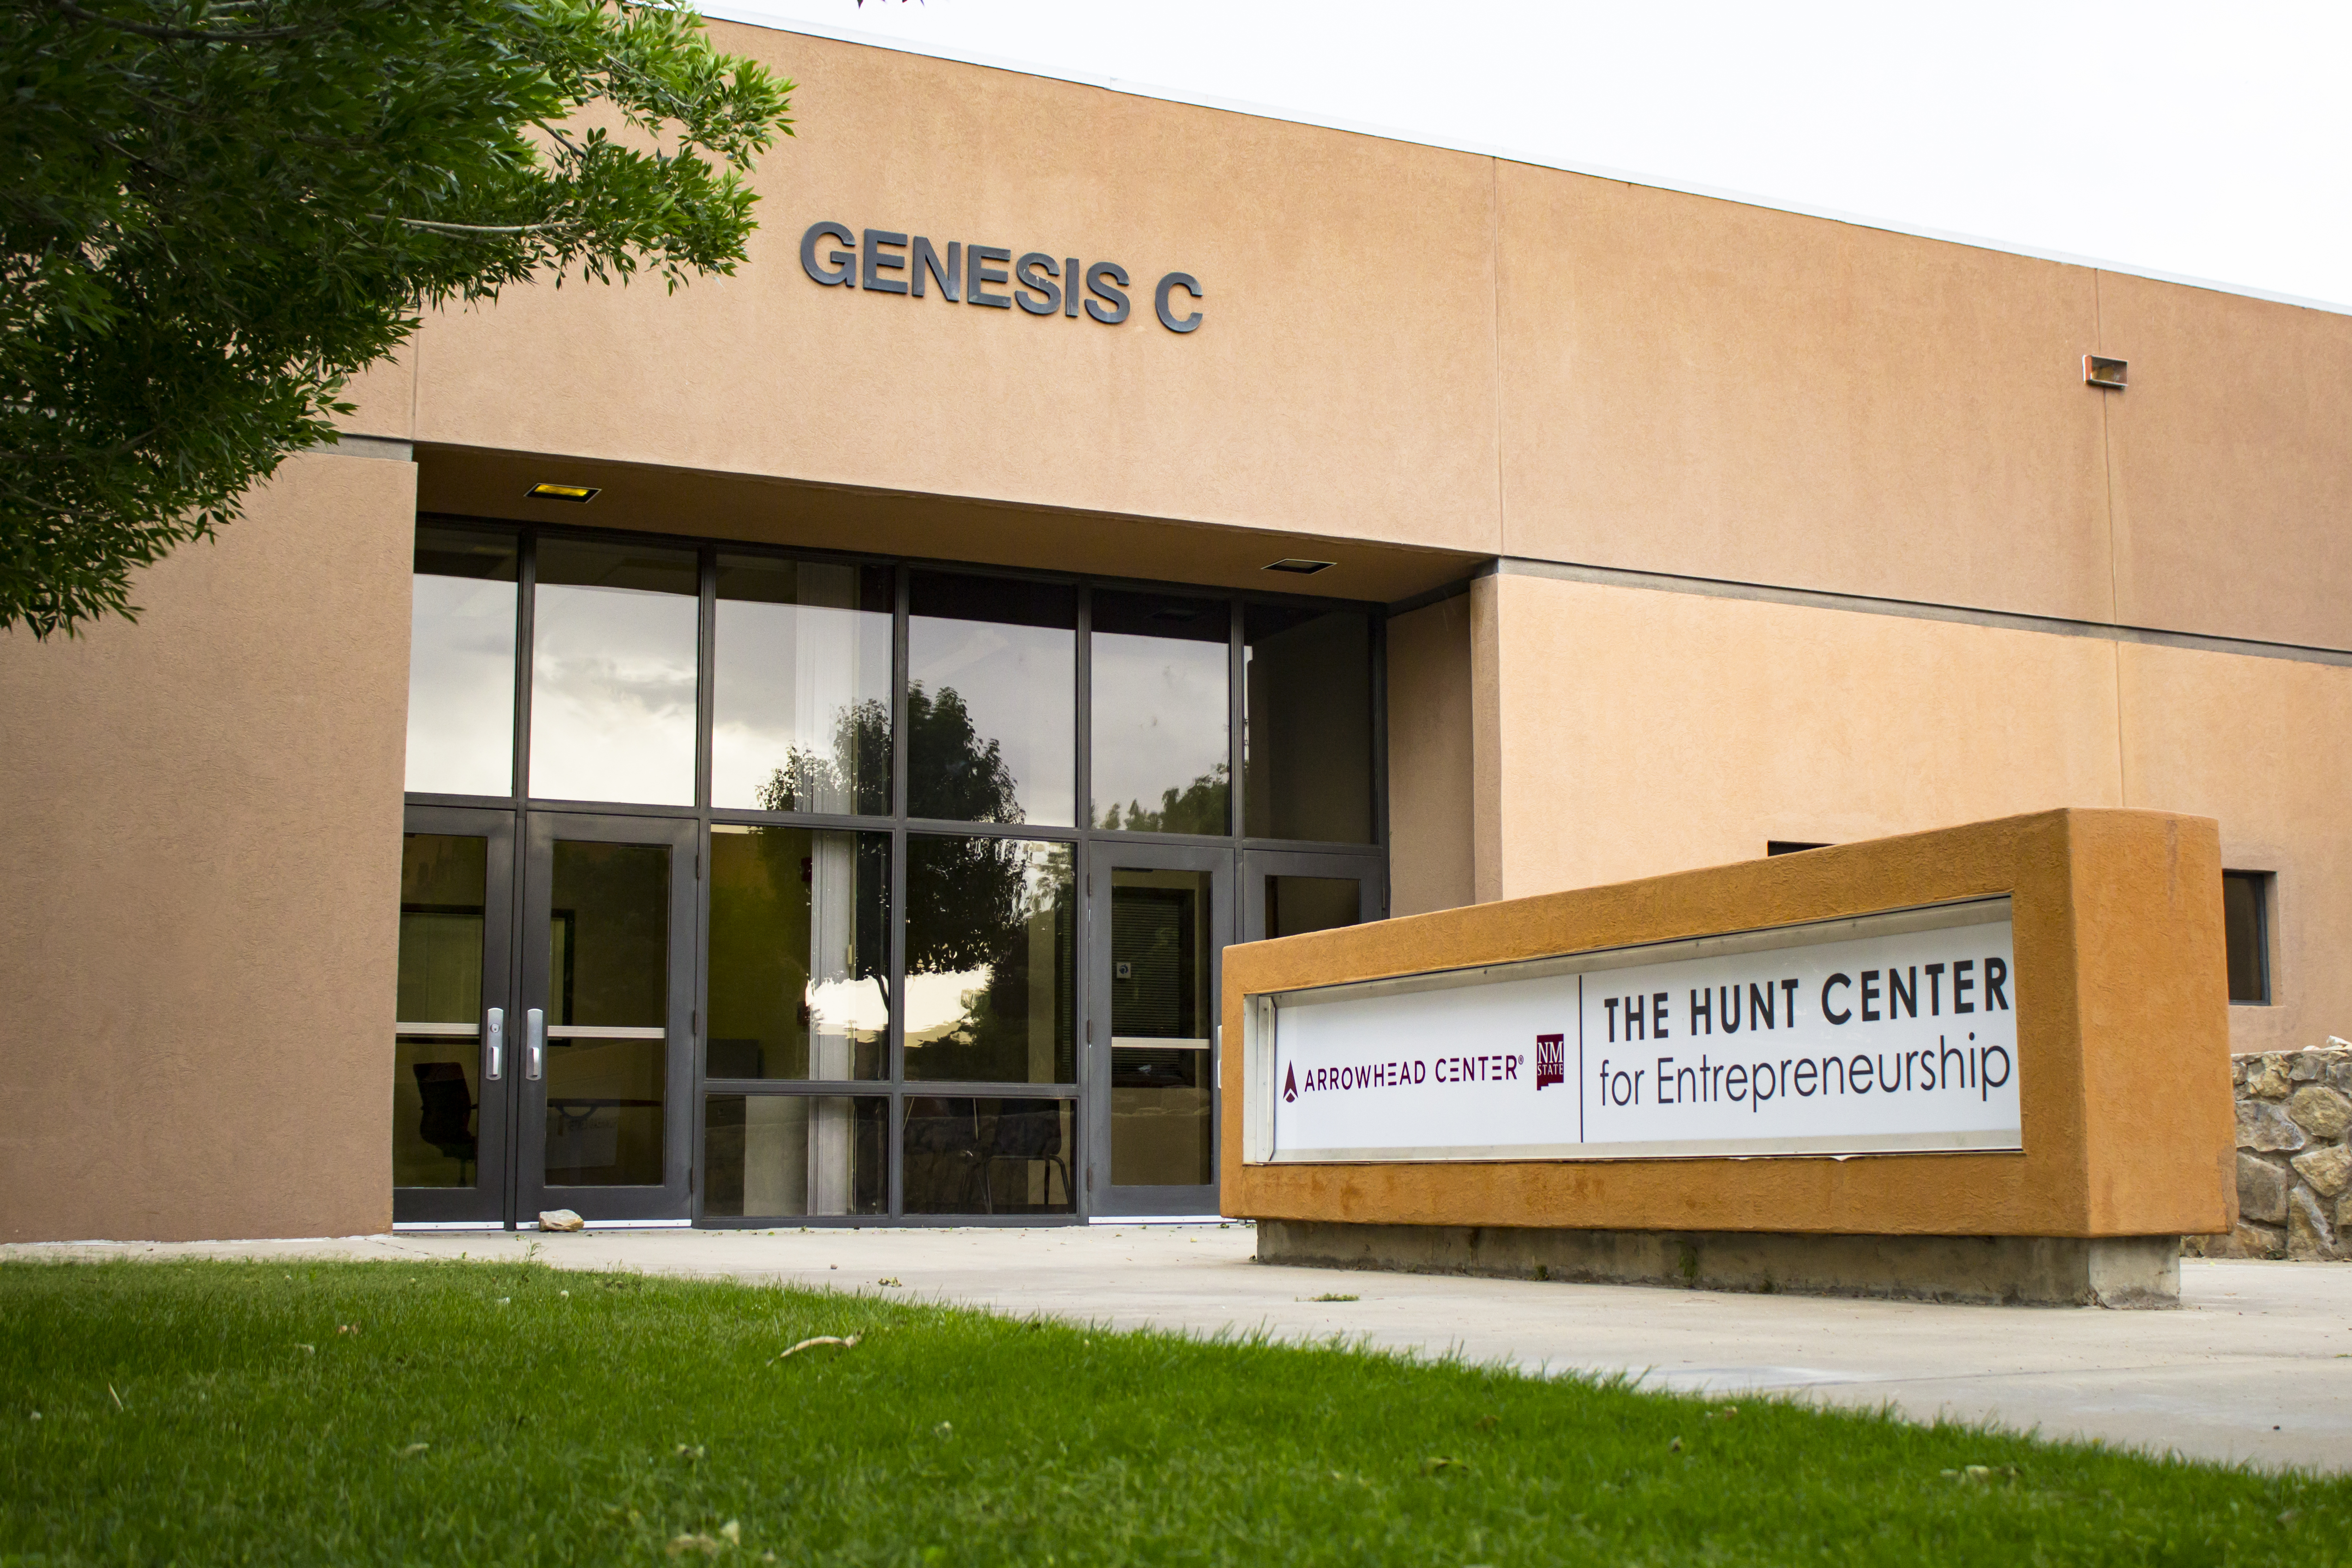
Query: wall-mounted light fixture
{"points": [[582, 494], [1296, 567], [2106, 373]]}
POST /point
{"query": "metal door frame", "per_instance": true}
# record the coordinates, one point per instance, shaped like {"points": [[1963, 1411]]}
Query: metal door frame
{"points": [[486, 1202], [673, 1201], [1104, 1200]]}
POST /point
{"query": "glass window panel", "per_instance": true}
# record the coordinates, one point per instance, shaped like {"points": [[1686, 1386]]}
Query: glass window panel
{"points": [[800, 954], [436, 1072], [989, 1157], [1307, 750], [461, 663], [608, 1013], [2243, 935], [1162, 732], [801, 697], [782, 1156], [989, 951], [1160, 1117], [614, 647], [1296, 905], [992, 706]]}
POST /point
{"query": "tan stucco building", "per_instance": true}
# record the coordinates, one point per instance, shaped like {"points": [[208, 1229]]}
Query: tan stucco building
{"points": [[870, 771]]}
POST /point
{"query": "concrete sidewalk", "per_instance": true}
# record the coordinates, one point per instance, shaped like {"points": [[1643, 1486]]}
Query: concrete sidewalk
{"points": [[2256, 1365]]}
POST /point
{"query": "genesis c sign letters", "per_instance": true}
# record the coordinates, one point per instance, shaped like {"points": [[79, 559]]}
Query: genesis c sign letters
{"points": [[881, 261]]}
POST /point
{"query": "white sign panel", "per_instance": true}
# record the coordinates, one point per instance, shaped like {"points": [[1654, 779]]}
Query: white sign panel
{"points": [[1884, 1033]]}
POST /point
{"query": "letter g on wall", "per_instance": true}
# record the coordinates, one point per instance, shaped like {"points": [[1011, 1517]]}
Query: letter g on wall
{"points": [[843, 263]]}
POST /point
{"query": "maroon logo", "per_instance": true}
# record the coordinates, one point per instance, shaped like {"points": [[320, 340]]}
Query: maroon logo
{"points": [[1551, 1059], [1289, 1085]]}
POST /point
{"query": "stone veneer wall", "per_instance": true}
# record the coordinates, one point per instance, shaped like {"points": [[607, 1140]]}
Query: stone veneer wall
{"points": [[2295, 1157]]}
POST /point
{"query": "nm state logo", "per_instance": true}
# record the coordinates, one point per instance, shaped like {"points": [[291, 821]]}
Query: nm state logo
{"points": [[1289, 1084], [1551, 1060]]}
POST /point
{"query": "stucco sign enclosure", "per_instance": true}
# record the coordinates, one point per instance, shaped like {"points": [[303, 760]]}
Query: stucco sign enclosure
{"points": [[1892, 1033]]}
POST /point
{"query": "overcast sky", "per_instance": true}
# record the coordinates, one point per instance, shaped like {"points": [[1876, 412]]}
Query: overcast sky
{"points": [[2207, 142]]}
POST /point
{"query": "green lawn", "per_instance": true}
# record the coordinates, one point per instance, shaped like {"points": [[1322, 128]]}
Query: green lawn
{"points": [[499, 1414]]}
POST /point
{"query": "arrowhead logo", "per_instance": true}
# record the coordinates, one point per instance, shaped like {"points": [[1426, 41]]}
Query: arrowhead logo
{"points": [[1289, 1084]]}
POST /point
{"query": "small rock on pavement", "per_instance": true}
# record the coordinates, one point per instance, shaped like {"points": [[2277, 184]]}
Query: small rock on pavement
{"points": [[561, 1219]]}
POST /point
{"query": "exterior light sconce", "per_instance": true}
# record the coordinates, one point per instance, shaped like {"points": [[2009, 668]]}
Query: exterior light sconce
{"points": [[2106, 373], [1296, 567], [580, 494]]}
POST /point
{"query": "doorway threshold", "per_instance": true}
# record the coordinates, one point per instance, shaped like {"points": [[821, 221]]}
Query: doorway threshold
{"points": [[1162, 1219]]}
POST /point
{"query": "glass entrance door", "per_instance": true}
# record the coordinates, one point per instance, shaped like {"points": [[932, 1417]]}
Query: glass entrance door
{"points": [[1161, 915], [604, 1056], [453, 1052]]}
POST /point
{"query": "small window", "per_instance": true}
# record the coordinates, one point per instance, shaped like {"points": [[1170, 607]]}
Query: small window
{"points": [[1789, 846], [2246, 932]]}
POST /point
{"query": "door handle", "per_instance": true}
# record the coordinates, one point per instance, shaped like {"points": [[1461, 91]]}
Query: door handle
{"points": [[534, 1043], [494, 1045]]}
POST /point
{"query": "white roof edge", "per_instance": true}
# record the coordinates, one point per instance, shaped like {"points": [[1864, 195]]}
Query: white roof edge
{"points": [[724, 12]]}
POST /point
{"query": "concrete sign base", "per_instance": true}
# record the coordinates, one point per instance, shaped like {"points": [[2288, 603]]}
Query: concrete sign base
{"points": [[2131, 1271]]}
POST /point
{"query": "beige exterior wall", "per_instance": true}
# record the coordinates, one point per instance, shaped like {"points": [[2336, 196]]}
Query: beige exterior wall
{"points": [[1432, 769], [2264, 745], [1639, 732], [1645, 732], [1410, 346], [202, 853]]}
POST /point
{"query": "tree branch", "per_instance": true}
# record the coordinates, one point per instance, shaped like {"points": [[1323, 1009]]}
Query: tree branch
{"points": [[179, 35], [464, 228]]}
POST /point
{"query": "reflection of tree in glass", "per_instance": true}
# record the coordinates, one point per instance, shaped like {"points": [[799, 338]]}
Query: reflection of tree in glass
{"points": [[856, 777], [951, 774], [969, 902], [764, 968], [1202, 807], [1000, 911]]}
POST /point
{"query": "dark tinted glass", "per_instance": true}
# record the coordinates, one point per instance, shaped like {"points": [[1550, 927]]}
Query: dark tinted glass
{"points": [[1161, 1082], [608, 1013], [992, 704], [2245, 929], [1296, 905], [1162, 757], [800, 954], [801, 687], [778, 1156], [1307, 749], [437, 1048], [991, 924], [989, 1157]]}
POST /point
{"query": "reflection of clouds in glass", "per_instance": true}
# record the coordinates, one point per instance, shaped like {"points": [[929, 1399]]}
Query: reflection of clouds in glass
{"points": [[461, 686], [1017, 684], [936, 1003], [847, 1007], [613, 687], [784, 675], [1159, 716]]}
